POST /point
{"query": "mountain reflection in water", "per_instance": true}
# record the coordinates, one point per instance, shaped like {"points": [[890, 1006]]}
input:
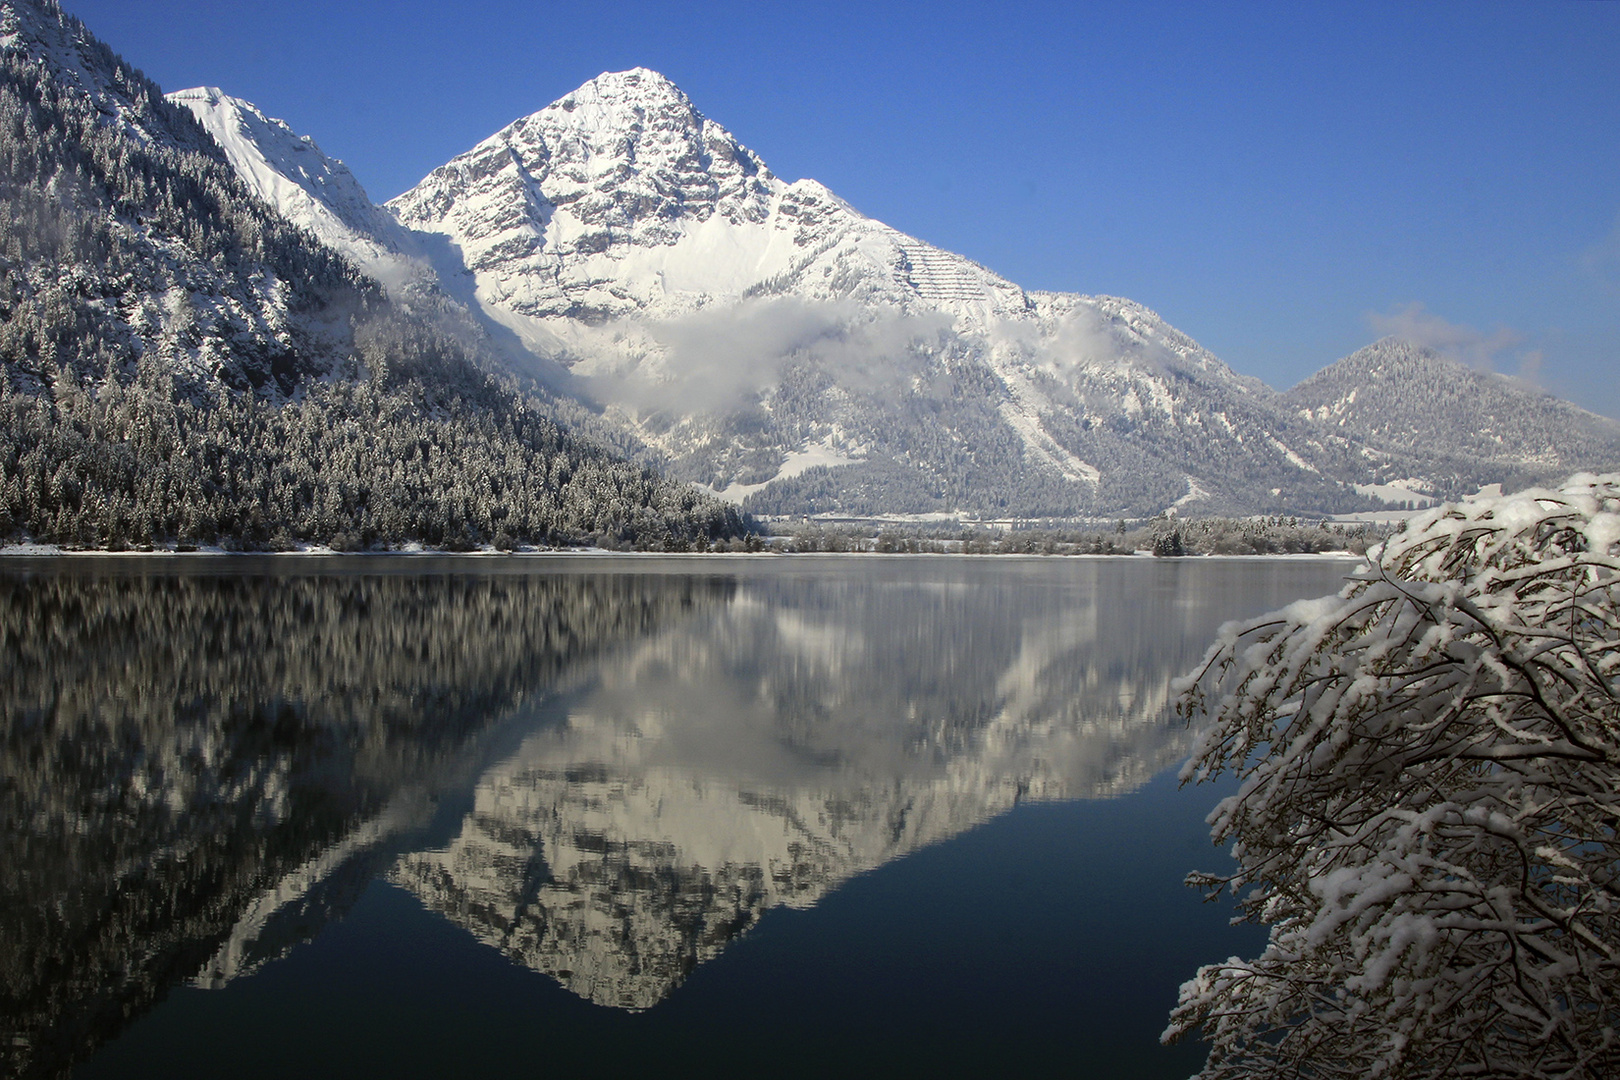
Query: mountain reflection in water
{"points": [[605, 770]]}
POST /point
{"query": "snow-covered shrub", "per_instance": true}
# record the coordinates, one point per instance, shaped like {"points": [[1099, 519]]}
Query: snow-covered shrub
{"points": [[1429, 810]]}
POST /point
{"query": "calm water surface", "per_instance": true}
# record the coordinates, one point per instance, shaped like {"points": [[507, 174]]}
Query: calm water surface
{"points": [[431, 817]]}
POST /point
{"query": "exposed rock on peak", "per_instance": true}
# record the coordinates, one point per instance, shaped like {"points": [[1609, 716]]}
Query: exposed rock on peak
{"points": [[545, 209], [622, 199]]}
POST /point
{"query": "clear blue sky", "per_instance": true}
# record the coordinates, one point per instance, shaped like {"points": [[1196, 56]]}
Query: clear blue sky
{"points": [[1282, 181]]}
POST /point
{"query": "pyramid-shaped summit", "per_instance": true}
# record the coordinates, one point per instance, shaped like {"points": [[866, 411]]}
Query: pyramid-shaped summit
{"points": [[622, 199], [638, 121], [619, 98], [549, 204]]}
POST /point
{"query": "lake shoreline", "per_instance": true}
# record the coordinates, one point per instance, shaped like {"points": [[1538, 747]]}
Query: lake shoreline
{"points": [[51, 551]]}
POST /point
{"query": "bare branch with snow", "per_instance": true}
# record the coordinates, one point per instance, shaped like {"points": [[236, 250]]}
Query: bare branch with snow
{"points": [[1429, 809]]}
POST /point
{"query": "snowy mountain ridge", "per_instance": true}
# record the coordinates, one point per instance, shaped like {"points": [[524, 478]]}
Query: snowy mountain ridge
{"points": [[775, 346], [311, 190], [696, 293]]}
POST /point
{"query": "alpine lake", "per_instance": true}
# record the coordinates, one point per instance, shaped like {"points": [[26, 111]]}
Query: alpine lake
{"points": [[421, 816]]}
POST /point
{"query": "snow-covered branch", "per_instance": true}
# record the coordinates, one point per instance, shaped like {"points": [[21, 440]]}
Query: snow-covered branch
{"points": [[1428, 814]]}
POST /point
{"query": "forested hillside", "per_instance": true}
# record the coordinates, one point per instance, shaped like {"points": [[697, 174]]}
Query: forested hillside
{"points": [[180, 364], [386, 457], [1464, 427]]}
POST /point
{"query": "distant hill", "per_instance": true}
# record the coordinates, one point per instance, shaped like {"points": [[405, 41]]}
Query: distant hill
{"points": [[1461, 427]]}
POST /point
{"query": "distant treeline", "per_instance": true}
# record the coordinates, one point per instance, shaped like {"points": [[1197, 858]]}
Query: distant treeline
{"points": [[1161, 536]]}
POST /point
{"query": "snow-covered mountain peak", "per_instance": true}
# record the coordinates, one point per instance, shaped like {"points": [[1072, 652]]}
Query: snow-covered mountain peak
{"points": [[638, 242], [1406, 396], [249, 122], [622, 200], [752, 330], [638, 118], [615, 98], [624, 161]]}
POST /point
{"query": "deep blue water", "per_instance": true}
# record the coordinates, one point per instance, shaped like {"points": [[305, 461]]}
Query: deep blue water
{"points": [[801, 816]]}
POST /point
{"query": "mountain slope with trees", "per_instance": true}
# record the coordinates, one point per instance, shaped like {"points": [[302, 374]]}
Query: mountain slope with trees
{"points": [[180, 363], [1463, 427]]}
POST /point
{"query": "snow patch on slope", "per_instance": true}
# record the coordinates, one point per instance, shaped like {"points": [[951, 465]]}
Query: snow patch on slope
{"points": [[814, 455], [1293, 458], [1195, 493], [1399, 491], [314, 191]]}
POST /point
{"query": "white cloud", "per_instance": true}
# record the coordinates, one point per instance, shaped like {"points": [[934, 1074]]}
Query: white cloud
{"points": [[1084, 336], [1530, 366], [1420, 326], [719, 358]]}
